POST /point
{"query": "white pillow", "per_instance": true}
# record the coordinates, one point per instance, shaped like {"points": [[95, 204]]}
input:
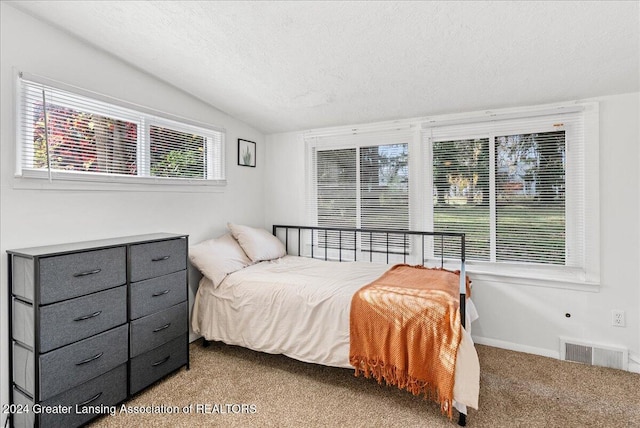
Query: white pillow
{"points": [[216, 258], [257, 243]]}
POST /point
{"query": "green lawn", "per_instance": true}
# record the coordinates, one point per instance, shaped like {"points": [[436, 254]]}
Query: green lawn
{"points": [[524, 232]]}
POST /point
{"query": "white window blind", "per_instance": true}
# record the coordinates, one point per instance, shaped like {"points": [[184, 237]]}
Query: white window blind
{"points": [[515, 187], [71, 134], [521, 183], [461, 192], [360, 181]]}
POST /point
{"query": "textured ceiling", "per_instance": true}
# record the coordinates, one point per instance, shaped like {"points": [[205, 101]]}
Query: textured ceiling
{"points": [[283, 66]]}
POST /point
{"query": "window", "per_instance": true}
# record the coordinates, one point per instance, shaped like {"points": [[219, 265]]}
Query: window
{"points": [[337, 200], [522, 184], [384, 186], [519, 216], [461, 192], [516, 188], [530, 197], [70, 134], [364, 186]]}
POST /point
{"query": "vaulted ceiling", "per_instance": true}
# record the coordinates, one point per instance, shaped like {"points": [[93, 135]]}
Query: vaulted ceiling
{"points": [[283, 66]]}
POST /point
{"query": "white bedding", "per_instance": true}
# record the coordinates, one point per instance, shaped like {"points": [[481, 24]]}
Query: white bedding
{"points": [[299, 307]]}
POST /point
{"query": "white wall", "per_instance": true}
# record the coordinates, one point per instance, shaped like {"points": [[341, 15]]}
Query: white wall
{"points": [[40, 217], [526, 317]]}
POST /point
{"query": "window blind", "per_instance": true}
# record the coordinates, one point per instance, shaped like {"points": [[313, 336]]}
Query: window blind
{"points": [[360, 181], [461, 192], [73, 135], [515, 187]]}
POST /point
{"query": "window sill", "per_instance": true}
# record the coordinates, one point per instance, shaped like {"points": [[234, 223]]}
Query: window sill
{"points": [[558, 278], [529, 275], [120, 184]]}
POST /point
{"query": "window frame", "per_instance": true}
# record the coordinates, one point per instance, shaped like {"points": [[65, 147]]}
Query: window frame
{"points": [[143, 117], [585, 277], [573, 208], [356, 140], [313, 145]]}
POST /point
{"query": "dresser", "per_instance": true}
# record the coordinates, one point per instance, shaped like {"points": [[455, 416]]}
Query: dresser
{"points": [[93, 323]]}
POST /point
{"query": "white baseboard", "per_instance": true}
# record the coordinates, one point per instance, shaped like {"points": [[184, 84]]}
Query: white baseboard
{"points": [[496, 343], [516, 347], [634, 363]]}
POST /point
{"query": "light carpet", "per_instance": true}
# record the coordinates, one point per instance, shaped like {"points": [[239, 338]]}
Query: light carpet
{"points": [[229, 386]]}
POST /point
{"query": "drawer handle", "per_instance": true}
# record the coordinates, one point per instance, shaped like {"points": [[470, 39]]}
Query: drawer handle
{"points": [[159, 259], [162, 328], [94, 398], [162, 361], [88, 360], [160, 293], [86, 317], [89, 272]]}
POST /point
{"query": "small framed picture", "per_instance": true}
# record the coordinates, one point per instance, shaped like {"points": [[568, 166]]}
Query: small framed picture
{"points": [[246, 153]]}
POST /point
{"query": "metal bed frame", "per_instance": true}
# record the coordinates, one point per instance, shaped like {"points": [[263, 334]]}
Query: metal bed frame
{"points": [[386, 250], [303, 237]]}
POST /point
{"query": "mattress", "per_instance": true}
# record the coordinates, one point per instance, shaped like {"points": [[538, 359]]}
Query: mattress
{"points": [[299, 307]]}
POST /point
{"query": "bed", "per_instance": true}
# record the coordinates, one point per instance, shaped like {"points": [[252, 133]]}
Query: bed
{"points": [[291, 291]]}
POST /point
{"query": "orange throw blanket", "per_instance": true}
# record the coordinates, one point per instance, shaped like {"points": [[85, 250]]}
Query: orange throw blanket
{"points": [[405, 328]]}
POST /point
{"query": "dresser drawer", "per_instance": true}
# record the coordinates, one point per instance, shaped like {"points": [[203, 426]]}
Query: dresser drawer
{"points": [[158, 258], [153, 365], [74, 364], [155, 294], [154, 330], [106, 390], [77, 274], [72, 320]]}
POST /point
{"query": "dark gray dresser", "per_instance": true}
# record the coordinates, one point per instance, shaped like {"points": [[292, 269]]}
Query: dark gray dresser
{"points": [[92, 323]]}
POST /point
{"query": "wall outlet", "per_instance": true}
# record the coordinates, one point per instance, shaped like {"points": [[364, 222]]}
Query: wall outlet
{"points": [[617, 318]]}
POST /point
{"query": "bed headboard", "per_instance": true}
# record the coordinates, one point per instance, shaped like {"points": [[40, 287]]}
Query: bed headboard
{"points": [[377, 245]]}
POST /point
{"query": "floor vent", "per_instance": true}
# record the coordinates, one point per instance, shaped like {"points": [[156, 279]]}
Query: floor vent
{"points": [[593, 354]]}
